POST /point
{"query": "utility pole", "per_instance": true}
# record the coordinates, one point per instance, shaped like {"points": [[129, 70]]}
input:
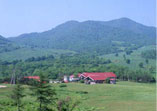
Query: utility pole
{"points": [[12, 81]]}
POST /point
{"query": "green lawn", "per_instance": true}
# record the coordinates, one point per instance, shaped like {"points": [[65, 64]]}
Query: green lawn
{"points": [[123, 96]]}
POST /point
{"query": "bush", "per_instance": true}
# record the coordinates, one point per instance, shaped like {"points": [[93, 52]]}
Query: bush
{"points": [[81, 81], [82, 92], [107, 80], [63, 85], [116, 54], [141, 65], [67, 104], [128, 61]]}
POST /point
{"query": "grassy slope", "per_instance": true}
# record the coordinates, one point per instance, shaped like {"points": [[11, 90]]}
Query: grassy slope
{"points": [[135, 58], [25, 53], [124, 96]]}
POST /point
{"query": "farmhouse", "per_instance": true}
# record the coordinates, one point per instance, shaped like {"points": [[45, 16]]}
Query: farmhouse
{"points": [[97, 77]]}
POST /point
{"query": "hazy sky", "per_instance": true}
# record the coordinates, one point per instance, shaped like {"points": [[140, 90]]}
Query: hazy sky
{"points": [[24, 16]]}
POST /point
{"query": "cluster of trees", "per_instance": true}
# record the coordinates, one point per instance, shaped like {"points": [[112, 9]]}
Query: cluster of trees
{"points": [[124, 74], [56, 68], [50, 57]]}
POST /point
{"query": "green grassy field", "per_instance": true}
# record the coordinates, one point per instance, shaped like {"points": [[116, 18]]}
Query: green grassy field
{"points": [[123, 96], [135, 58]]}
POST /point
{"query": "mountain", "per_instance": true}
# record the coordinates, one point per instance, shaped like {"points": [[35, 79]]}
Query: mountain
{"points": [[125, 23], [100, 37]]}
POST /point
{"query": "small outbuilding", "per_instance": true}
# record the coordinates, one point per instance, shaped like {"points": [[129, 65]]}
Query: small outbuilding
{"points": [[73, 78], [66, 79]]}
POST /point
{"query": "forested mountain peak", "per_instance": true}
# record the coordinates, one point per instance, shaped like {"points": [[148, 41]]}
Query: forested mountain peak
{"points": [[128, 24], [71, 22]]}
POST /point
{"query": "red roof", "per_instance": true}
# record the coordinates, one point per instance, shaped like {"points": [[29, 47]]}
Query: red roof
{"points": [[71, 76], [112, 79], [79, 75], [32, 77], [99, 75]]}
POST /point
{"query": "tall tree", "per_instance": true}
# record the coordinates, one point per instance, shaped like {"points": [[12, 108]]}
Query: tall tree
{"points": [[44, 93], [17, 95], [141, 65], [124, 56], [128, 61], [147, 61]]}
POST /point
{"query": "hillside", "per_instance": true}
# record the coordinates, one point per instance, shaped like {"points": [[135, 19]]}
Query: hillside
{"points": [[6, 45], [3, 40], [91, 36], [25, 53], [135, 59]]}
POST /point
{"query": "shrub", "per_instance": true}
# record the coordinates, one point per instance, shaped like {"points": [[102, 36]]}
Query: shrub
{"points": [[67, 104], [141, 65], [63, 85], [128, 61], [81, 81], [82, 92], [116, 54], [107, 80]]}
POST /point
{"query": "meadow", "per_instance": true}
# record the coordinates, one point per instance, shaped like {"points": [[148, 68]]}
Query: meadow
{"points": [[123, 96]]}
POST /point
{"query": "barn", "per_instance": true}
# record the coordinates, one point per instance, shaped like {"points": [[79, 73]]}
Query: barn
{"points": [[98, 77]]}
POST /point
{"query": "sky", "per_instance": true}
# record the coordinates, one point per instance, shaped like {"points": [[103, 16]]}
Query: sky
{"points": [[25, 16]]}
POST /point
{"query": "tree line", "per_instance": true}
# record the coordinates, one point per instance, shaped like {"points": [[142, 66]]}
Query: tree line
{"points": [[56, 68]]}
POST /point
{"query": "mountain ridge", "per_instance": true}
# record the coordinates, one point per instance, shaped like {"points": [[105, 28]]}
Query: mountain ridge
{"points": [[75, 21], [90, 36]]}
